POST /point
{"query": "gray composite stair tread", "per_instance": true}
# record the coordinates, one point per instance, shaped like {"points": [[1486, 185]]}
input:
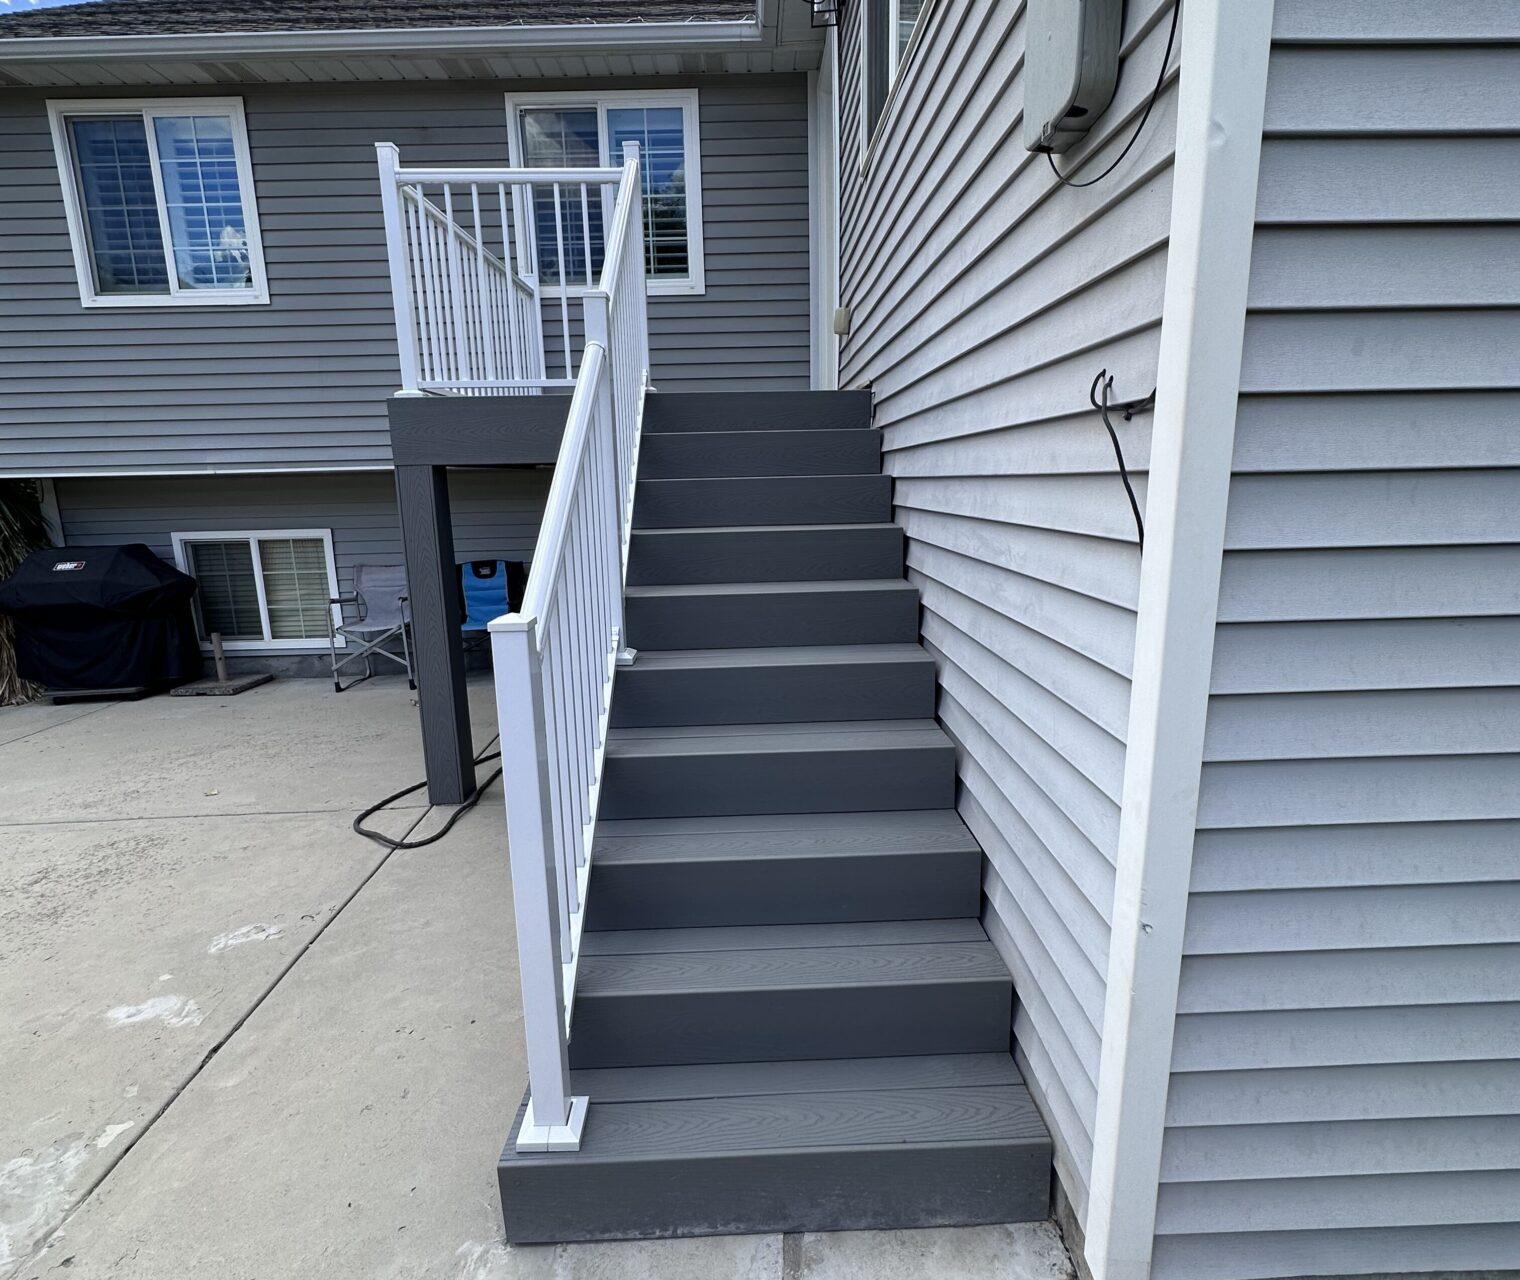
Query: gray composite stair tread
{"points": [[781, 836], [779, 684], [824, 832], [688, 455], [820, 655], [757, 410], [760, 530], [765, 552], [714, 970], [772, 937], [780, 869], [735, 1125], [751, 739], [819, 1075], [700, 501], [805, 587]]}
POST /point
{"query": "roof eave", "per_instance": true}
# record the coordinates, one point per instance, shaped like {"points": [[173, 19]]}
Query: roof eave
{"points": [[386, 40]]}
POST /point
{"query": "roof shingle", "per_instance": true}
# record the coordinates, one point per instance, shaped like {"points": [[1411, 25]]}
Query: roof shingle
{"points": [[208, 17]]}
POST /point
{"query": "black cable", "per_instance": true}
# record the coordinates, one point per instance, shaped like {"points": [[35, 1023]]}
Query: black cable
{"points": [[380, 838], [1166, 59], [1130, 408]]}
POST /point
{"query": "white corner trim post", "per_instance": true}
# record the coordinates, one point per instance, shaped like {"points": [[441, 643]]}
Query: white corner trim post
{"points": [[1225, 48]]}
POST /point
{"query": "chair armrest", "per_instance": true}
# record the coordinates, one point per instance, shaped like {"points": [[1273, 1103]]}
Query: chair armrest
{"points": [[345, 597]]}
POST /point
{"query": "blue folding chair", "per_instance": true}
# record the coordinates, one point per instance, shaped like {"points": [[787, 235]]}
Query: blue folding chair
{"points": [[489, 588]]}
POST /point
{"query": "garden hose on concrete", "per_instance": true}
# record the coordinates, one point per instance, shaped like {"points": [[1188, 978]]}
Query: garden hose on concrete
{"points": [[380, 838]]}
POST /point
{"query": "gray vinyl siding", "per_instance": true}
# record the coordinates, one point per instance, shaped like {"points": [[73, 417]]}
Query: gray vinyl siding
{"points": [[496, 512], [1345, 1096], [985, 298], [302, 382]]}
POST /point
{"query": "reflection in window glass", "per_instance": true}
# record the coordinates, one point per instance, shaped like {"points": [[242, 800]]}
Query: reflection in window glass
{"points": [[564, 138], [907, 19], [660, 133], [116, 193], [203, 202]]}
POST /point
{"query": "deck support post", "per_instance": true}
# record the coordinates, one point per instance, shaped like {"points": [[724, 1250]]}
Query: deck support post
{"points": [[427, 535]]}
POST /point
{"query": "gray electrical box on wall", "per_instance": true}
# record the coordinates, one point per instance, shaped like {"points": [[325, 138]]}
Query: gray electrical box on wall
{"points": [[1071, 65]]}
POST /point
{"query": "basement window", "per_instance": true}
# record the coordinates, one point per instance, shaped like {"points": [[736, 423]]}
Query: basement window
{"points": [[267, 589], [159, 200], [556, 130]]}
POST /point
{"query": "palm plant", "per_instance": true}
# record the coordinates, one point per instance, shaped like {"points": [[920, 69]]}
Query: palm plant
{"points": [[23, 528]]}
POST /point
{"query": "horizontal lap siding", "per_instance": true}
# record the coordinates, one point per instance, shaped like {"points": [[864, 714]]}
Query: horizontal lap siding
{"points": [[302, 382], [496, 512], [1344, 1090], [985, 298]]}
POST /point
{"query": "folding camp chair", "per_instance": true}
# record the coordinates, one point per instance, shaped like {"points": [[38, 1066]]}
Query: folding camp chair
{"points": [[488, 588], [379, 600]]}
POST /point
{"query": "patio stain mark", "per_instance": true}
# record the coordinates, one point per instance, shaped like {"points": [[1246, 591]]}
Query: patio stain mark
{"points": [[248, 933], [172, 1011], [34, 1192]]}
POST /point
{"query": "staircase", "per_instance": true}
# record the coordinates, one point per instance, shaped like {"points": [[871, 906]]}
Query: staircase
{"points": [[787, 1014]]}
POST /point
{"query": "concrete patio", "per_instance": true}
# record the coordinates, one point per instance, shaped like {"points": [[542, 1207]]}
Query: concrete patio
{"points": [[240, 1040]]}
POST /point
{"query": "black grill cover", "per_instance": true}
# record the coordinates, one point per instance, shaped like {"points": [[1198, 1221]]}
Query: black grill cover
{"points": [[101, 618]]}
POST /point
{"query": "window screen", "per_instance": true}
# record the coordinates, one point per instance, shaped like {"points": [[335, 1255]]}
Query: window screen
{"points": [[660, 133], [560, 138], [228, 599], [203, 201], [120, 204], [295, 587]]}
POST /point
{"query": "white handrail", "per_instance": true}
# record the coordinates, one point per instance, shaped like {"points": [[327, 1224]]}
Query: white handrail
{"points": [[556, 660], [470, 314]]}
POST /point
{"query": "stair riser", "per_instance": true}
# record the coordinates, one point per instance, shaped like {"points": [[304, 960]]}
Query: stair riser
{"points": [[766, 555], [721, 621], [888, 1187], [769, 1025], [759, 453], [751, 891], [839, 781], [692, 504], [774, 695], [758, 411]]}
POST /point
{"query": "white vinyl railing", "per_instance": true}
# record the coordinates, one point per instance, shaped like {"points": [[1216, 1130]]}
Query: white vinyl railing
{"points": [[556, 658], [465, 250]]}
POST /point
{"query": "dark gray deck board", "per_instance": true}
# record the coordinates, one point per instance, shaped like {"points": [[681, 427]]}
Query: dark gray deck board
{"points": [[728, 1079], [790, 968], [780, 937], [822, 451], [758, 411]]}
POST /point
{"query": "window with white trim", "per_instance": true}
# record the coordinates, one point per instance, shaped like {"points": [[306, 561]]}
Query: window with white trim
{"points": [[588, 131], [265, 589], [886, 32], [160, 202]]}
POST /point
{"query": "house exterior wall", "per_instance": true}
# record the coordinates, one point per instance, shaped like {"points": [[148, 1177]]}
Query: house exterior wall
{"points": [[302, 382], [496, 515], [1345, 1089], [986, 297]]}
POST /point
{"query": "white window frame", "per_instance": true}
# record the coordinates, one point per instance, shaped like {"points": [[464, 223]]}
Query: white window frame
{"points": [[60, 111], [694, 284], [869, 132], [252, 536]]}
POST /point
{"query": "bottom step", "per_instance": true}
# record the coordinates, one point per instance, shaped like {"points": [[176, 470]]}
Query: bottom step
{"points": [[833, 1145]]}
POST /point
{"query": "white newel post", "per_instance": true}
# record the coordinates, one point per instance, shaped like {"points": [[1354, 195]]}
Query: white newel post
{"points": [[389, 157], [555, 1119]]}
